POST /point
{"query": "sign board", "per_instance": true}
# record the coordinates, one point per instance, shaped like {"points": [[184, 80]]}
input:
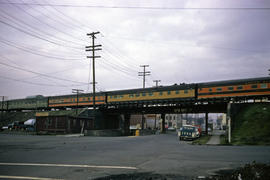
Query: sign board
{"points": [[42, 114]]}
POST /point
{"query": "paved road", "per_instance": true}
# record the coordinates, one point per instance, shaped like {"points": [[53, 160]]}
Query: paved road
{"points": [[62, 157]]}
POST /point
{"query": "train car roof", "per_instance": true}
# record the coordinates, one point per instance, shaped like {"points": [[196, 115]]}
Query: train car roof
{"points": [[234, 82], [80, 95], [153, 89]]}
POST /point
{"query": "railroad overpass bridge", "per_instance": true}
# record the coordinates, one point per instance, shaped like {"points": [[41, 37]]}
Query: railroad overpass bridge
{"points": [[208, 97], [180, 108], [192, 107]]}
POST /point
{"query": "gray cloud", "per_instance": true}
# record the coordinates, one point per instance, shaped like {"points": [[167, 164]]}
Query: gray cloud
{"points": [[179, 45]]}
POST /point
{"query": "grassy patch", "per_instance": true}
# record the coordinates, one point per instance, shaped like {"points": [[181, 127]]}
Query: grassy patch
{"points": [[252, 125], [224, 140], [202, 140]]}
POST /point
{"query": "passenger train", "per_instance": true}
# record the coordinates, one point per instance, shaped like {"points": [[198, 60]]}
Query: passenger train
{"points": [[199, 92]]}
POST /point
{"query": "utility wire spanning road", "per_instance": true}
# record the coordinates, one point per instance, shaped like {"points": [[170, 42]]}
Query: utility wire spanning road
{"points": [[59, 157]]}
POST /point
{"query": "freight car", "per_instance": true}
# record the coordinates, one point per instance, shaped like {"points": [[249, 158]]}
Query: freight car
{"points": [[167, 94], [235, 89]]}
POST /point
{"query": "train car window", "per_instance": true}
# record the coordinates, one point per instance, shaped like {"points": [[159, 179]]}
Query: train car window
{"points": [[138, 95], [219, 89], [131, 95], [263, 86], [169, 92], [160, 93], [143, 94], [150, 94], [230, 88], [89, 98], [210, 89], [254, 86], [239, 87], [115, 97], [185, 91], [121, 96], [176, 92]]}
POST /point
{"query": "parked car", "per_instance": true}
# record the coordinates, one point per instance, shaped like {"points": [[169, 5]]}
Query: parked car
{"points": [[188, 132], [4, 128], [16, 125]]}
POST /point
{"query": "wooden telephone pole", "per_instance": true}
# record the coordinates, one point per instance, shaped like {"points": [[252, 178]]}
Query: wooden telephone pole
{"points": [[144, 73], [93, 48], [156, 81]]}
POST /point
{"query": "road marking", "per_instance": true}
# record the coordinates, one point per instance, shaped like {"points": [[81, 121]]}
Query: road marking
{"points": [[26, 177], [68, 165]]}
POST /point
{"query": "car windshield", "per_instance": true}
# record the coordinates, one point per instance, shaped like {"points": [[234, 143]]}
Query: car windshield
{"points": [[189, 128]]}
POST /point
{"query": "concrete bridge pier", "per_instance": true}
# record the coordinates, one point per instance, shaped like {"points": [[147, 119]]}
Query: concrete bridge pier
{"points": [[163, 130], [228, 119], [125, 124]]}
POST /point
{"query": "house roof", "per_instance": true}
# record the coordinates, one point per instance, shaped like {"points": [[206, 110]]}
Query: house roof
{"points": [[72, 113]]}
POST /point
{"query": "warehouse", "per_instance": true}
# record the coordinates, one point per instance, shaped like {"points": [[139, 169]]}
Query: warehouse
{"points": [[70, 121]]}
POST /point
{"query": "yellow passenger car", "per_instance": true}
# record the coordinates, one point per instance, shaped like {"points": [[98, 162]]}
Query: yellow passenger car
{"points": [[173, 93]]}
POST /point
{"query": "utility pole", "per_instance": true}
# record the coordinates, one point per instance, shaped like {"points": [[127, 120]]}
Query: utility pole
{"points": [[77, 91], [156, 81], [144, 73], [93, 48], [269, 72]]}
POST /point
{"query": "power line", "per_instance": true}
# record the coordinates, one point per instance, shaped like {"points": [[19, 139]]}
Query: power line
{"points": [[36, 29], [34, 83], [116, 69], [55, 20], [120, 54], [119, 64], [45, 75], [36, 53], [187, 45], [72, 20], [135, 7], [36, 36]]}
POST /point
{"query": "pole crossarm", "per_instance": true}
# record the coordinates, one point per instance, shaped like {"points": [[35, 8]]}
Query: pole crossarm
{"points": [[99, 45], [98, 49], [93, 33], [91, 57]]}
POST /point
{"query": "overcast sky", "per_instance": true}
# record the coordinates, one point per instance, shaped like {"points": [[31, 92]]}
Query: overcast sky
{"points": [[42, 43]]}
